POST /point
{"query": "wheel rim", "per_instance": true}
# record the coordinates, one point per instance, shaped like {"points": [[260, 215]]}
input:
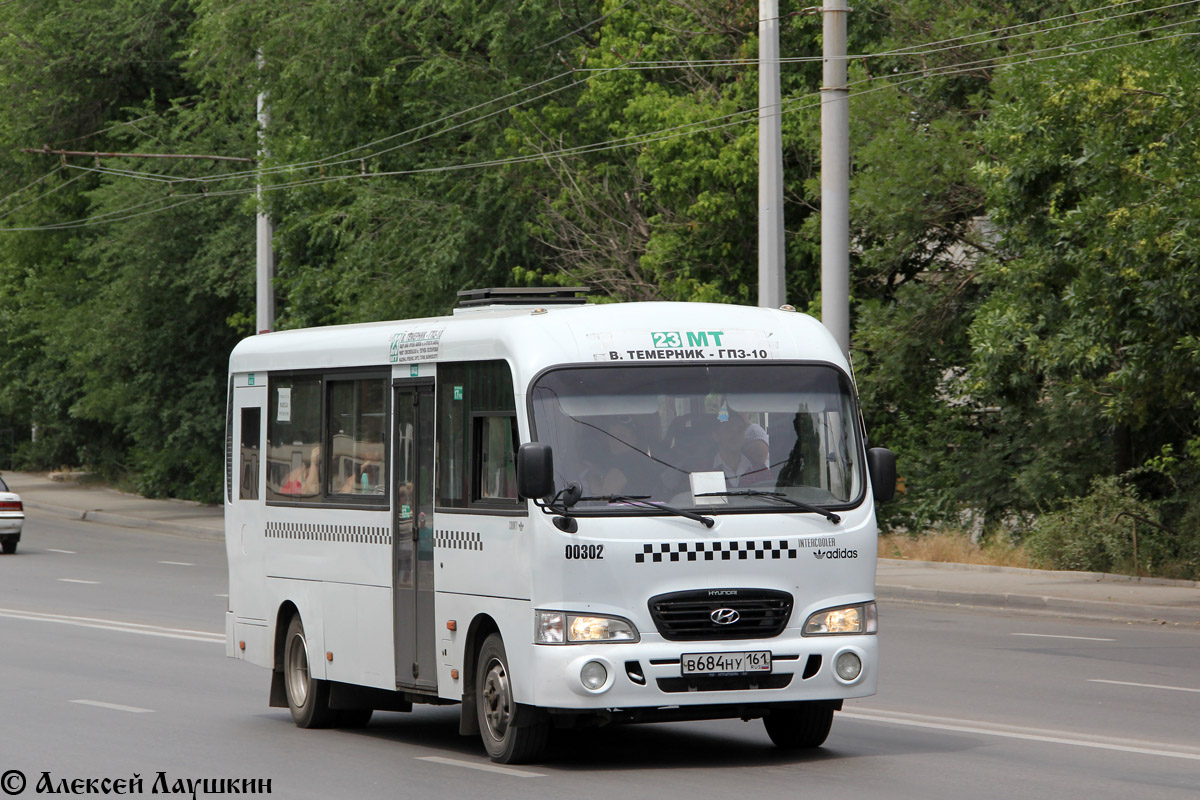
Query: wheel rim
{"points": [[497, 700], [297, 670]]}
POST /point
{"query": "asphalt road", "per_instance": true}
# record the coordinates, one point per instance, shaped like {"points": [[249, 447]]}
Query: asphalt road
{"points": [[112, 664]]}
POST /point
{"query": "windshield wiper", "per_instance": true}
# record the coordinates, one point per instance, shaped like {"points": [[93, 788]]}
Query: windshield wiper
{"points": [[781, 497], [641, 500]]}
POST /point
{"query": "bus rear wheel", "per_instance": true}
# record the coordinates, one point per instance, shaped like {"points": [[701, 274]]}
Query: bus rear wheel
{"points": [[308, 697], [505, 741], [799, 728]]}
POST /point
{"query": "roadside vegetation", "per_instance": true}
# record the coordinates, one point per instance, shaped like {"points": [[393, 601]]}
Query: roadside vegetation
{"points": [[954, 546], [1025, 196]]}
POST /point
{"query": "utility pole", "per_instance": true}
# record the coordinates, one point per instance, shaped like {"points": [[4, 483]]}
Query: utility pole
{"points": [[264, 249], [771, 263], [835, 177]]}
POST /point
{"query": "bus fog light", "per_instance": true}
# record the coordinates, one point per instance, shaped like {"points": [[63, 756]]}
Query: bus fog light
{"points": [[848, 665], [593, 676]]}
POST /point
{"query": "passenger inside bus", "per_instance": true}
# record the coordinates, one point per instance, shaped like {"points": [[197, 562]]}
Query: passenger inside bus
{"points": [[742, 451], [363, 480], [306, 478]]}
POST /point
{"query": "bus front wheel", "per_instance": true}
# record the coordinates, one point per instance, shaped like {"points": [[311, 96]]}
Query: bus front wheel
{"points": [[800, 727], [308, 697], [505, 741]]}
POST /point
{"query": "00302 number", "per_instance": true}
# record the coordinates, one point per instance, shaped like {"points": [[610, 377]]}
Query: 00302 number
{"points": [[581, 552]]}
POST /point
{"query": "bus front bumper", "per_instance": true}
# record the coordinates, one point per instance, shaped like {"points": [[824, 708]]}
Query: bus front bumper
{"points": [[650, 674]]}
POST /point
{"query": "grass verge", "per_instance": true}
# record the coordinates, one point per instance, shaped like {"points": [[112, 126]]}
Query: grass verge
{"points": [[953, 546]]}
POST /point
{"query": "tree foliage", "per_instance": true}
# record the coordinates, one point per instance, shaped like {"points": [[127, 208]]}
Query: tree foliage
{"points": [[1023, 211]]}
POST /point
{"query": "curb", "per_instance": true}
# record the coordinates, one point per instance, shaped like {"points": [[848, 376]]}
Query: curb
{"points": [[122, 521], [1106, 577], [1087, 609]]}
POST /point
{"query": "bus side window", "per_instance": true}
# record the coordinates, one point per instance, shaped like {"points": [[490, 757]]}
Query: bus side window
{"points": [[356, 422], [248, 468], [476, 420], [495, 457]]}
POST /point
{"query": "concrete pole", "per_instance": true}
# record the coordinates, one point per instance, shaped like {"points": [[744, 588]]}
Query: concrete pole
{"points": [[265, 251], [771, 263], [835, 178]]}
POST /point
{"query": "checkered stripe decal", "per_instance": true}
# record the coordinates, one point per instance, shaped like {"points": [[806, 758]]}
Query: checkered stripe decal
{"points": [[311, 532], [718, 551], [458, 540]]}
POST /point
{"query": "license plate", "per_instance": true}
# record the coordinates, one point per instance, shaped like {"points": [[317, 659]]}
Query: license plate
{"points": [[715, 663]]}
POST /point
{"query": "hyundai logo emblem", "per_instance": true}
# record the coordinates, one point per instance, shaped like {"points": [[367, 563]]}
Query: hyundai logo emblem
{"points": [[724, 616]]}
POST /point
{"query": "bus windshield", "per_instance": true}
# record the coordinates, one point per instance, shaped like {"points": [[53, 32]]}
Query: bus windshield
{"points": [[707, 437]]}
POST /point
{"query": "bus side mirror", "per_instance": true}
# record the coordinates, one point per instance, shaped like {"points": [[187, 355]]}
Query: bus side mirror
{"points": [[535, 470], [881, 464]]}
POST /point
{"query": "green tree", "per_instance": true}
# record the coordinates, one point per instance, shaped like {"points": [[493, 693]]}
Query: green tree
{"points": [[120, 297], [1091, 317]]}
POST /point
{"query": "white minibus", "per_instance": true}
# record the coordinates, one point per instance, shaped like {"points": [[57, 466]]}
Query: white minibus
{"points": [[556, 514]]}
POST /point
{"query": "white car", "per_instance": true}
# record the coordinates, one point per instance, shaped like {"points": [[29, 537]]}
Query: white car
{"points": [[12, 517]]}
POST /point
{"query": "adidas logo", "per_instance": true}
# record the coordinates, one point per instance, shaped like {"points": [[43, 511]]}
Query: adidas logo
{"points": [[832, 554]]}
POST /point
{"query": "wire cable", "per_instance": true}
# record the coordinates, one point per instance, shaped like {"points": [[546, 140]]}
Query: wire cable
{"points": [[960, 68], [582, 28], [62, 185], [27, 186], [788, 105], [332, 160]]}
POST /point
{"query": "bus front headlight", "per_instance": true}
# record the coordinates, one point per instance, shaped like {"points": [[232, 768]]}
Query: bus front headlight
{"points": [[561, 627], [857, 618]]}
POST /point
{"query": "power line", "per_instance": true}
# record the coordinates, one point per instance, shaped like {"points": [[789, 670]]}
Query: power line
{"points": [[726, 121], [582, 28], [650, 138], [49, 174], [929, 71], [46, 151], [904, 50], [1034, 32], [62, 185], [332, 160]]}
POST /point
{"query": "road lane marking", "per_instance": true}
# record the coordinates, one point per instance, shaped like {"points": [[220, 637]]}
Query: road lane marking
{"points": [[1144, 685], [1134, 746], [453, 762], [115, 625], [76, 580], [1059, 636], [52, 550], [177, 563], [114, 706]]}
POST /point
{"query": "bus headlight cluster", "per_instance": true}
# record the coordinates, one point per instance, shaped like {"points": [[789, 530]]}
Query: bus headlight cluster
{"points": [[858, 618], [560, 627]]}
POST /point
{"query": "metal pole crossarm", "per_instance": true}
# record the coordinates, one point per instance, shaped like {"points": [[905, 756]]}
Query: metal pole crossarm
{"points": [[46, 151]]}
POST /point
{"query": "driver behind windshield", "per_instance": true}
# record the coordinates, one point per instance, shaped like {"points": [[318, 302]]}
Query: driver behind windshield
{"points": [[623, 465], [742, 451]]}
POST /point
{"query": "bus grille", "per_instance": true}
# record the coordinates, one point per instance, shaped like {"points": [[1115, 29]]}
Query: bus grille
{"points": [[724, 683], [688, 616]]}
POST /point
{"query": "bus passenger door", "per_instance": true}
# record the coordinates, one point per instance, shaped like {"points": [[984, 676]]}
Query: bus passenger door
{"points": [[412, 542], [245, 511]]}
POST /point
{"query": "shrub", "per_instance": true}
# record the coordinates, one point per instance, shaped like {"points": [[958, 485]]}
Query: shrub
{"points": [[1085, 534]]}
